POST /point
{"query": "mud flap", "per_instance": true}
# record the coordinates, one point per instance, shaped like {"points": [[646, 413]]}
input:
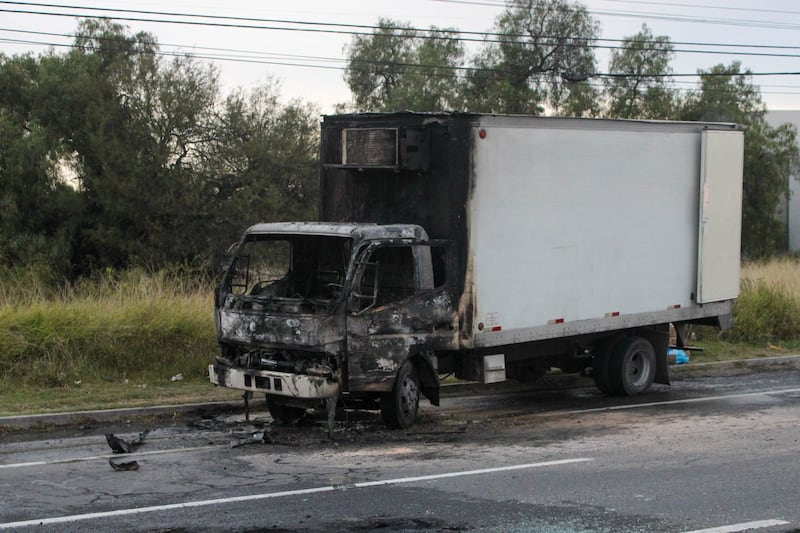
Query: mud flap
{"points": [[426, 365], [658, 336]]}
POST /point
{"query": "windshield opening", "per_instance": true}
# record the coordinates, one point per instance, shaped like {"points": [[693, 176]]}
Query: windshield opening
{"points": [[309, 267]]}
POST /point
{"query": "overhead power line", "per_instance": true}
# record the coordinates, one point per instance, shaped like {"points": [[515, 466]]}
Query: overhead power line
{"points": [[336, 28], [265, 58], [429, 70], [633, 45], [502, 3], [587, 44], [435, 70], [706, 6], [781, 25], [160, 44]]}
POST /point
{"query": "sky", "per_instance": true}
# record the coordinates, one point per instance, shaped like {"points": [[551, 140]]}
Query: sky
{"points": [[309, 64]]}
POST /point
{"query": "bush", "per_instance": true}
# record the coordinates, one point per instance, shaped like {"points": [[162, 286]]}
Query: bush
{"points": [[765, 312]]}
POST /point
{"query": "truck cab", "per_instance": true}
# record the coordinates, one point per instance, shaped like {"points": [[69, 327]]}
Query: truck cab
{"points": [[304, 308]]}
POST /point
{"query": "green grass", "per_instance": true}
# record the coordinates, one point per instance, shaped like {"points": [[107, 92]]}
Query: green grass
{"points": [[116, 340], [110, 395], [65, 345], [766, 315], [716, 349]]}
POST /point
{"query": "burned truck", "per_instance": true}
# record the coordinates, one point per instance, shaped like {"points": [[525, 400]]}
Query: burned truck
{"points": [[489, 248]]}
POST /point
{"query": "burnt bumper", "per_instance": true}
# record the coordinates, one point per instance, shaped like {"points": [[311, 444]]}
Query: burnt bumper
{"points": [[275, 383]]}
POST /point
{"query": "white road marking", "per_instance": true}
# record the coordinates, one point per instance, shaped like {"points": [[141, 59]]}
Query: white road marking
{"points": [[110, 456], [271, 495], [547, 413], [744, 526]]}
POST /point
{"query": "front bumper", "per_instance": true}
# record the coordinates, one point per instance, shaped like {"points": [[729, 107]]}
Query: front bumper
{"points": [[275, 383]]}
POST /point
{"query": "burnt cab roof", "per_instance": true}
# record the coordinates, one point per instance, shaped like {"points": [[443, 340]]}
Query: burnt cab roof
{"points": [[358, 232]]}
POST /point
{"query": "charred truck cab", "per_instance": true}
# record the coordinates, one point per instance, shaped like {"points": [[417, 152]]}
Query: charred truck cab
{"points": [[490, 247], [309, 311]]}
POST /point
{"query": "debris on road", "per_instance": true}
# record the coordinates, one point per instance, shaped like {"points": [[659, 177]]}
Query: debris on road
{"points": [[260, 437], [119, 445], [121, 466]]}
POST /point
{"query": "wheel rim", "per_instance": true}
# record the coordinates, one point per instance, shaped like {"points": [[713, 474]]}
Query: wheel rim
{"points": [[638, 369], [409, 397]]}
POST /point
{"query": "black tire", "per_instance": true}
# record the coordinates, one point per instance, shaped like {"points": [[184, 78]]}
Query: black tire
{"points": [[632, 367], [399, 407], [285, 414]]}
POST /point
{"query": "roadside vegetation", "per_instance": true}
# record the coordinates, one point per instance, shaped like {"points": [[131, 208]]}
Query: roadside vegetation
{"points": [[767, 315], [139, 338], [117, 339]]}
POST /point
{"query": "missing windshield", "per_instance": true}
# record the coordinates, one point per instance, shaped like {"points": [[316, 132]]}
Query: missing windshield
{"points": [[306, 267]]}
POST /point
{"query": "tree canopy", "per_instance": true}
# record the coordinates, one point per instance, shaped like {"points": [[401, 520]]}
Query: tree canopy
{"points": [[399, 67], [638, 84], [115, 156], [727, 94], [537, 50]]}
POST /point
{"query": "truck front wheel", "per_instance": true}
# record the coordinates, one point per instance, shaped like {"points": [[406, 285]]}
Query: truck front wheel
{"points": [[399, 407], [286, 414], [631, 367]]}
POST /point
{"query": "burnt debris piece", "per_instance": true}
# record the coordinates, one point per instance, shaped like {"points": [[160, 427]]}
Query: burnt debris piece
{"points": [[259, 437], [119, 445], [122, 466]]}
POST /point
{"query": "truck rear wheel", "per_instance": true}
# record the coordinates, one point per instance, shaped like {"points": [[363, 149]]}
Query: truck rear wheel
{"points": [[631, 367], [286, 414], [399, 407]]}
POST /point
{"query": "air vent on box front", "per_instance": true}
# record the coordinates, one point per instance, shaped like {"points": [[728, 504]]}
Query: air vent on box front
{"points": [[370, 147]]}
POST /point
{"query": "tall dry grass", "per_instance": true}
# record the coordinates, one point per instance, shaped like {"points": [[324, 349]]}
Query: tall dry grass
{"points": [[783, 273], [768, 309], [113, 327]]}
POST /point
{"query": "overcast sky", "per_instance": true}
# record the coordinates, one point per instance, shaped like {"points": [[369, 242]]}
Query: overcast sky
{"points": [[774, 23]]}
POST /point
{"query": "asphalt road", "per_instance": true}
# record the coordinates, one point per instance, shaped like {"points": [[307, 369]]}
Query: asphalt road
{"points": [[709, 453]]}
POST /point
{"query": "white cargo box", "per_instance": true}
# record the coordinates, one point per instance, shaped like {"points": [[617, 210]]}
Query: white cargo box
{"points": [[578, 226]]}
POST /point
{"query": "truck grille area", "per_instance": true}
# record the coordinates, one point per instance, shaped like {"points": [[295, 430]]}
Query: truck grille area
{"points": [[317, 364]]}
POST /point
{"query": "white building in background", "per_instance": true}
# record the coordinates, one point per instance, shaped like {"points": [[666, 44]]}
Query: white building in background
{"points": [[792, 209]]}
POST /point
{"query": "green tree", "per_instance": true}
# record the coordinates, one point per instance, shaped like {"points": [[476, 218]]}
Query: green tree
{"points": [[81, 101], [262, 163], [639, 82], [583, 100], [134, 125], [37, 206], [727, 94], [399, 67], [542, 54], [177, 113], [114, 156]]}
